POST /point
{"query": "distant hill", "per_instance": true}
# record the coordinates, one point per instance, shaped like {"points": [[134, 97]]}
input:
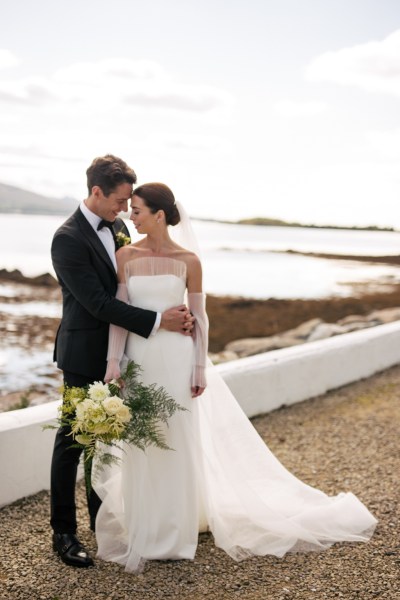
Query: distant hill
{"points": [[17, 200]]}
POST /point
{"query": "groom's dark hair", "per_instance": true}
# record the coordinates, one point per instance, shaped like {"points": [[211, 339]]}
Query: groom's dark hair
{"points": [[108, 172]]}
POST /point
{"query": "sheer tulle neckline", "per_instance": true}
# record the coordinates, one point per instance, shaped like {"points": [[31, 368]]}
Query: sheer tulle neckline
{"points": [[155, 265]]}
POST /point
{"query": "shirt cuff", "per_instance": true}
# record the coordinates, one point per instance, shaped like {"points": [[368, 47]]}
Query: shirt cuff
{"points": [[156, 325]]}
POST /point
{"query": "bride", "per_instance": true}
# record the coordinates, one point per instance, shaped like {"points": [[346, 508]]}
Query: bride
{"points": [[220, 476]]}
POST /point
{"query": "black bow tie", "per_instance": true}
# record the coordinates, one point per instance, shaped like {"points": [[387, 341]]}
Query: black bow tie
{"points": [[109, 225], [104, 223]]}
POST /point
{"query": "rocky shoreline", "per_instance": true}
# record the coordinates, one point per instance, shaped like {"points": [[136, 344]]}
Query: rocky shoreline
{"points": [[238, 326]]}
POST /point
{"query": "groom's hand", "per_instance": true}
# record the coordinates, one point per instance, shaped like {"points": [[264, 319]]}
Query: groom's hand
{"points": [[178, 319]]}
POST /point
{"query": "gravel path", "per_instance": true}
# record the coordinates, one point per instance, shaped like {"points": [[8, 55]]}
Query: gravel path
{"points": [[345, 440]]}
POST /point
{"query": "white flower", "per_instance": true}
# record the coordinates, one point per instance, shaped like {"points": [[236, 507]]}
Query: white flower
{"points": [[75, 401], [112, 405], [98, 415], [98, 391], [100, 428], [89, 413], [82, 409], [124, 414]]}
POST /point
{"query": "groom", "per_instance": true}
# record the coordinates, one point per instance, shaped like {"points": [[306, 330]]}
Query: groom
{"points": [[83, 255]]}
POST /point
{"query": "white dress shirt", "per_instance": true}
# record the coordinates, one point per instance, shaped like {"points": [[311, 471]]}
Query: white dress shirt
{"points": [[104, 234]]}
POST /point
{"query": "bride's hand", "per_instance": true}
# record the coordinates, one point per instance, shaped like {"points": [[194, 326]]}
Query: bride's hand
{"points": [[113, 370], [197, 391]]}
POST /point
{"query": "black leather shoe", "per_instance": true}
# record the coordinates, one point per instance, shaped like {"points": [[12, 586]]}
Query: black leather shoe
{"points": [[71, 551]]}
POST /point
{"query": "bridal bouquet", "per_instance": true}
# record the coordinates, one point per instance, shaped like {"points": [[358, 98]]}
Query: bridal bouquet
{"points": [[110, 413]]}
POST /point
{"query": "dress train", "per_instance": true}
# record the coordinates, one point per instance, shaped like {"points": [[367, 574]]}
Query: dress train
{"points": [[220, 475]]}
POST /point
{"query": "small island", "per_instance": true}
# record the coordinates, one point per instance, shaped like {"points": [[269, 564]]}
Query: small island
{"points": [[267, 222], [278, 223]]}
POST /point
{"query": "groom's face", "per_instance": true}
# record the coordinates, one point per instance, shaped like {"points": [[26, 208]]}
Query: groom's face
{"points": [[109, 207]]}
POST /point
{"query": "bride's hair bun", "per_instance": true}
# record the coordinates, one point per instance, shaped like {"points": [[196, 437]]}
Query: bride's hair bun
{"points": [[158, 196], [174, 218]]}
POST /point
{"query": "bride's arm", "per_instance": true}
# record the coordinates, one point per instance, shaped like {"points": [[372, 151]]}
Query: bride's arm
{"points": [[117, 335], [197, 306]]}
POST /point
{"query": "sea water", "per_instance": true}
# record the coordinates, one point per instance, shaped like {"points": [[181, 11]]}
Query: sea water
{"points": [[245, 260]]}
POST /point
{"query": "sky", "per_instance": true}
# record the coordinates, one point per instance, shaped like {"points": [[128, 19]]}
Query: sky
{"points": [[245, 108]]}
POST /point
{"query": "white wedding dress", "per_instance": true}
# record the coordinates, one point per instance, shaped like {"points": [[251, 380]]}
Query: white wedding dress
{"points": [[220, 475]]}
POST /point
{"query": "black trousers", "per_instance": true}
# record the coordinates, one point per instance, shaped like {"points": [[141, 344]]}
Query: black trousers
{"points": [[64, 467]]}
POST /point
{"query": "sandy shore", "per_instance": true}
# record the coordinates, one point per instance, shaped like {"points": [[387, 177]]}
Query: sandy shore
{"points": [[346, 440]]}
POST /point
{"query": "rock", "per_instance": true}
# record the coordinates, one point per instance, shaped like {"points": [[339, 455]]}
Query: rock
{"points": [[309, 331], [251, 346], [221, 357], [386, 315], [292, 337], [325, 330], [304, 330], [357, 326], [16, 276], [45, 279], [353, 319]]}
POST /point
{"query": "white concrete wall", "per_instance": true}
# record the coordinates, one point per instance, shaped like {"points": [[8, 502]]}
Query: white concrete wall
{"points": [[260, 383], [25, 451], [267, 381]]}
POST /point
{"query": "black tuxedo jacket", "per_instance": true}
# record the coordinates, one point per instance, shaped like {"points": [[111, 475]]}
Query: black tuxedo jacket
{"points": [[89, 283]]}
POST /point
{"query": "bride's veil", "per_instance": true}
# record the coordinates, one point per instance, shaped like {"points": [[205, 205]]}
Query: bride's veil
{"points": [[183, 233]]}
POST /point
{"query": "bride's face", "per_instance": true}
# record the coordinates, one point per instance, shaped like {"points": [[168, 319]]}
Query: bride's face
{"points": [[141, 216]]}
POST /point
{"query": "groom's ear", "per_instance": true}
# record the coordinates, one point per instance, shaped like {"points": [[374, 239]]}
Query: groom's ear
{"points": [[97, 192]]}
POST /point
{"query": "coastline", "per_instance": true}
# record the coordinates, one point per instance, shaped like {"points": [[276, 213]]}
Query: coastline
{"points": [[390, 259], [231, 318], [235, 318]]}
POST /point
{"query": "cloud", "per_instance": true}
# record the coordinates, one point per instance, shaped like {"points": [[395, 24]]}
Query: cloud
{"points": [[373, 66], [290, 108], [32, 151], [52, 126], [124, 83], [178, 97], [7, 59], [122, 69], [30, 91]]}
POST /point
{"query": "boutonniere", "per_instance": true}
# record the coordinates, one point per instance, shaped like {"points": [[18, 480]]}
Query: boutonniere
{"points": [[122, 239]]}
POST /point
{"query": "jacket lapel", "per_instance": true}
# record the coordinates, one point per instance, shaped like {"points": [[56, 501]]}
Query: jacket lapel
{"points": [[93, 238]]}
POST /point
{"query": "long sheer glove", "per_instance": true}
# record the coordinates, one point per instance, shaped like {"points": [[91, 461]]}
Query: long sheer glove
{"points": [[197, 306], [116, 341]]}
